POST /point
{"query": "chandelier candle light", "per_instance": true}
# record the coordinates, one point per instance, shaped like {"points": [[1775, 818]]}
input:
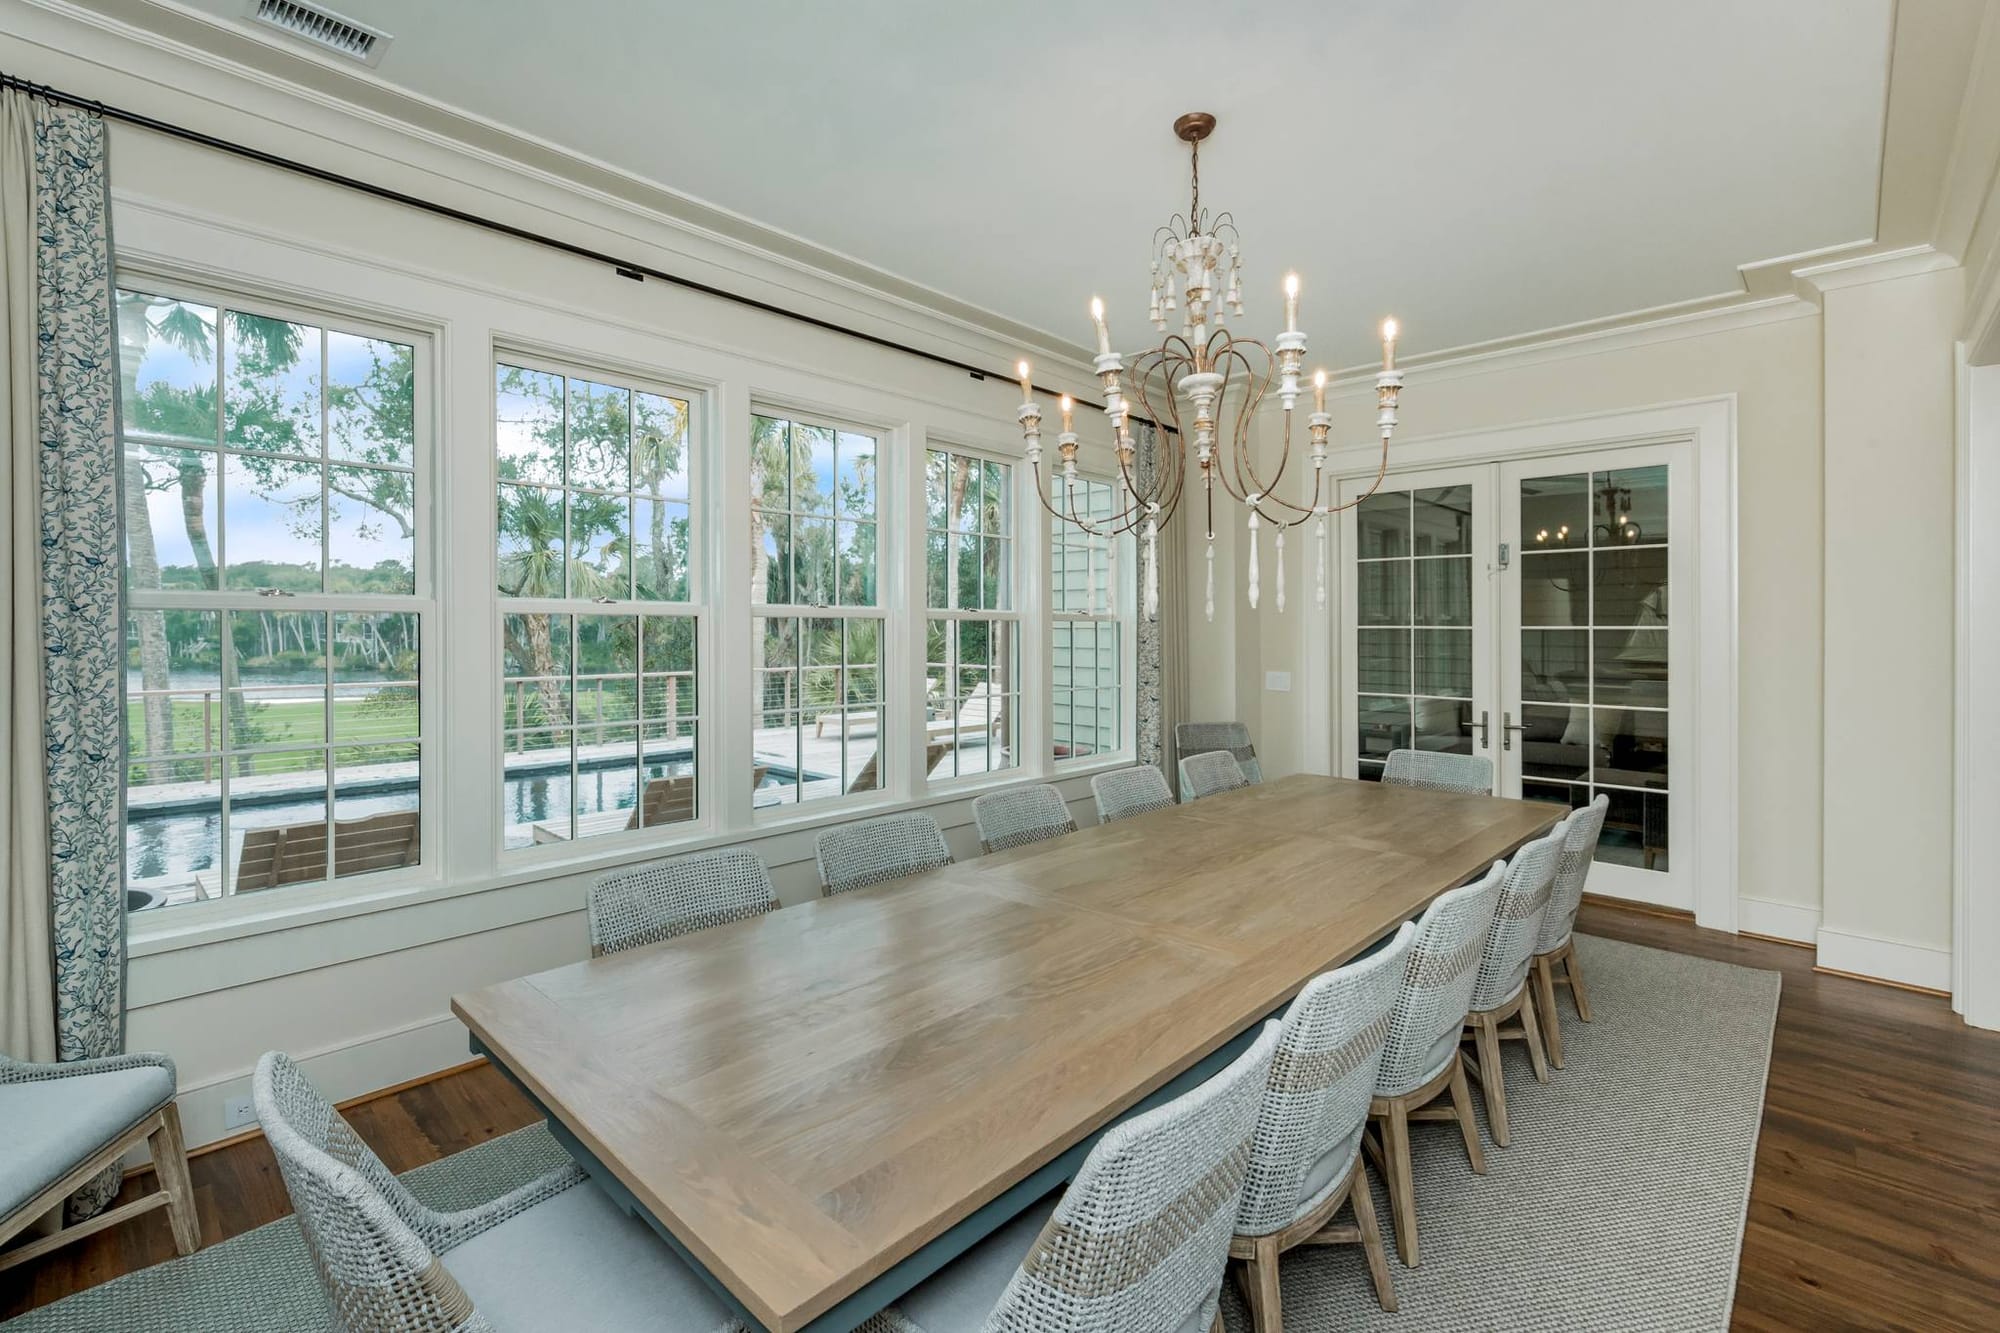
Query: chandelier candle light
{"points": [[1198, 272]]}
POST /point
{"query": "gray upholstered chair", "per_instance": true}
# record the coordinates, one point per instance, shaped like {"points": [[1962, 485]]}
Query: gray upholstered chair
{"points": [[1306, 1163], [1202, 737], [1580, 834], [1018, 817], [1125, 792], [1437, 770], [1138, 1241], [1210, 774], [553, 1253], [1421, 1062], [62, 1124], [853, 856], [1501, 990], [661, 899]]}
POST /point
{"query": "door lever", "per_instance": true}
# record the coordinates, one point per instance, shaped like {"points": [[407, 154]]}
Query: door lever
{"points": [[1485, 742], [1508, 726]]}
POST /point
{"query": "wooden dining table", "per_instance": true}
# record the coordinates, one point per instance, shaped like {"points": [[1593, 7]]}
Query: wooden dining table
{"points": [[820, 1107]]}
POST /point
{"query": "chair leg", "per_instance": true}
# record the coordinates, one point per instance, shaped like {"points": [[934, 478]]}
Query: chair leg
{"points": [[1260, 1283], [1531, 1026], [1401, 1179], [1545, 986], [1576, 984], [1363, 1200], [1461, 1100], [169, 1154], [1491, 1080]]}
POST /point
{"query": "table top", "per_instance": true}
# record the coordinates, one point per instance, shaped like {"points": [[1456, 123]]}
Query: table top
{"points": [[805, 1099]]}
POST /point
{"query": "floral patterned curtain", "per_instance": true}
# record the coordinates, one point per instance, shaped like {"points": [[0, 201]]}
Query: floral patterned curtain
{"points": [[75, 455], [1162, 638]]}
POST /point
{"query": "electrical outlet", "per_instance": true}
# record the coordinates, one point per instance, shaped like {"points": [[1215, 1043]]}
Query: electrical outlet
{"points": [[238, 1113]]}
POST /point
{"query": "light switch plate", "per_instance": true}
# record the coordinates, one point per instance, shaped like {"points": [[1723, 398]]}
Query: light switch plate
{"points": [[1278, 680], [238, 1113]]}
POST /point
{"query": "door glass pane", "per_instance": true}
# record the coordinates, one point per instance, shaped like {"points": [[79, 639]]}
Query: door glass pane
{"points": [[1555, 588], [1555, 742], [1384, 726], [1382, 592], [1382, 525], [1631, 506], [1555, 665], [1444, 662], [1443, 724], [1444, 591], [1441, 521], [1635, 830], [1555, 512], [1382, 660], [1594, 697]]}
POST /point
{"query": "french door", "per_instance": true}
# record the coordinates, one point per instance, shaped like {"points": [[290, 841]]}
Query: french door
{"points": [[1522, 610]]}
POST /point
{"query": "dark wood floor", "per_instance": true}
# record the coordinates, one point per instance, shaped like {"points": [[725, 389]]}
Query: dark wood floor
{"points": [[1876, 1202]]}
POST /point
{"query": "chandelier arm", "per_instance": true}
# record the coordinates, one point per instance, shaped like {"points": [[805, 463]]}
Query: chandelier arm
{"points": [[1381, 471]]}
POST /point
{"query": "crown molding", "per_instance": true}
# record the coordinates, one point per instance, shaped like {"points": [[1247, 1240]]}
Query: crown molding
{"points": [[1814, 281], [1695, 319]]}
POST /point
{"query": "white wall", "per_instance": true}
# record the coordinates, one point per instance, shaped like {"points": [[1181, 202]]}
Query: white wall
{"points": [[1890, 514]]}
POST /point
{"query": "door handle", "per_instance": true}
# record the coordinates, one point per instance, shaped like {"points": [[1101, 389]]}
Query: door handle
{"points": [[1508, 726], [1485, 741]]}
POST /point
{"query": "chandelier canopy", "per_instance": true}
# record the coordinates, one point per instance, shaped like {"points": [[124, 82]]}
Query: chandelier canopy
{"points": [[1205, 385]]}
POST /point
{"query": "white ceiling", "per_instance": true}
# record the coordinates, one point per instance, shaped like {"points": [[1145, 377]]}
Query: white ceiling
{"points": [[1478, 169]]}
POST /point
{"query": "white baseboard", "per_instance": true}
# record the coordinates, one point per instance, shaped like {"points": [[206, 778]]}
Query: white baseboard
{"points": [[1886, 960], [339, 1072], [1779, 921]]}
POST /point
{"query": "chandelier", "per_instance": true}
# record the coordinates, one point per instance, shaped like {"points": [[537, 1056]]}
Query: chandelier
{"points": [[1202, 374]]}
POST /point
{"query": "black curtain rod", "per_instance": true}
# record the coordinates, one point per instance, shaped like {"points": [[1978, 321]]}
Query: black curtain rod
{"points": [[625, 268]]}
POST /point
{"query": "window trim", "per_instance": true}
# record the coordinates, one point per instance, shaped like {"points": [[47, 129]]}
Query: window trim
{"points": [[1018, 577], [698, 606], [1125, 616], [245, 295], [892, 787]]}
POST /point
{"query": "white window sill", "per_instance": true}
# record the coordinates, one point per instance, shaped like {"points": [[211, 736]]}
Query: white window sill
{"points": [[195, 925]]}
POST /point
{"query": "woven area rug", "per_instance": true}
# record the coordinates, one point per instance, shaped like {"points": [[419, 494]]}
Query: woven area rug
{"points": [[1619, 1207]]}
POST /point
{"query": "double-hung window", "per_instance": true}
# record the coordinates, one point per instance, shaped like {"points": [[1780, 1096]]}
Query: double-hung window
{"points": [[276, 595], [600, 617], [1090, 631], [817, 629], [971, 668]]}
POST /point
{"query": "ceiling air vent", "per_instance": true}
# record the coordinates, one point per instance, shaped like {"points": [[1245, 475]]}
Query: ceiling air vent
{"points": [[323, 28]]}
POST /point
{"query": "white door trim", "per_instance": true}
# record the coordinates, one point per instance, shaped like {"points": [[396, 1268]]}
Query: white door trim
{"points": [[1975, 962], [1709, 424]]}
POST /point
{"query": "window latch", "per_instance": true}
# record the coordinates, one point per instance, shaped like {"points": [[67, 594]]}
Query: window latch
{"points": [[604, 601], [274, 592]]}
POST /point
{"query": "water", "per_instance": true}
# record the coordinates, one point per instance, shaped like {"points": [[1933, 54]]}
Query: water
{"points": [[179, 844]]}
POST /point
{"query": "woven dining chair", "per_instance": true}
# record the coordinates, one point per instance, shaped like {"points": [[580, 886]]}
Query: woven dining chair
{"points": [[853, 856], [552, 1253], [1581, 831], [1125, 792], [1021, 816], [1306, 1164], [1202, 737], [1421, 1061], [64, 1124], [1138, 1241], [662, 899], [1210, 774], [1501, 990], [1437, 770]]}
